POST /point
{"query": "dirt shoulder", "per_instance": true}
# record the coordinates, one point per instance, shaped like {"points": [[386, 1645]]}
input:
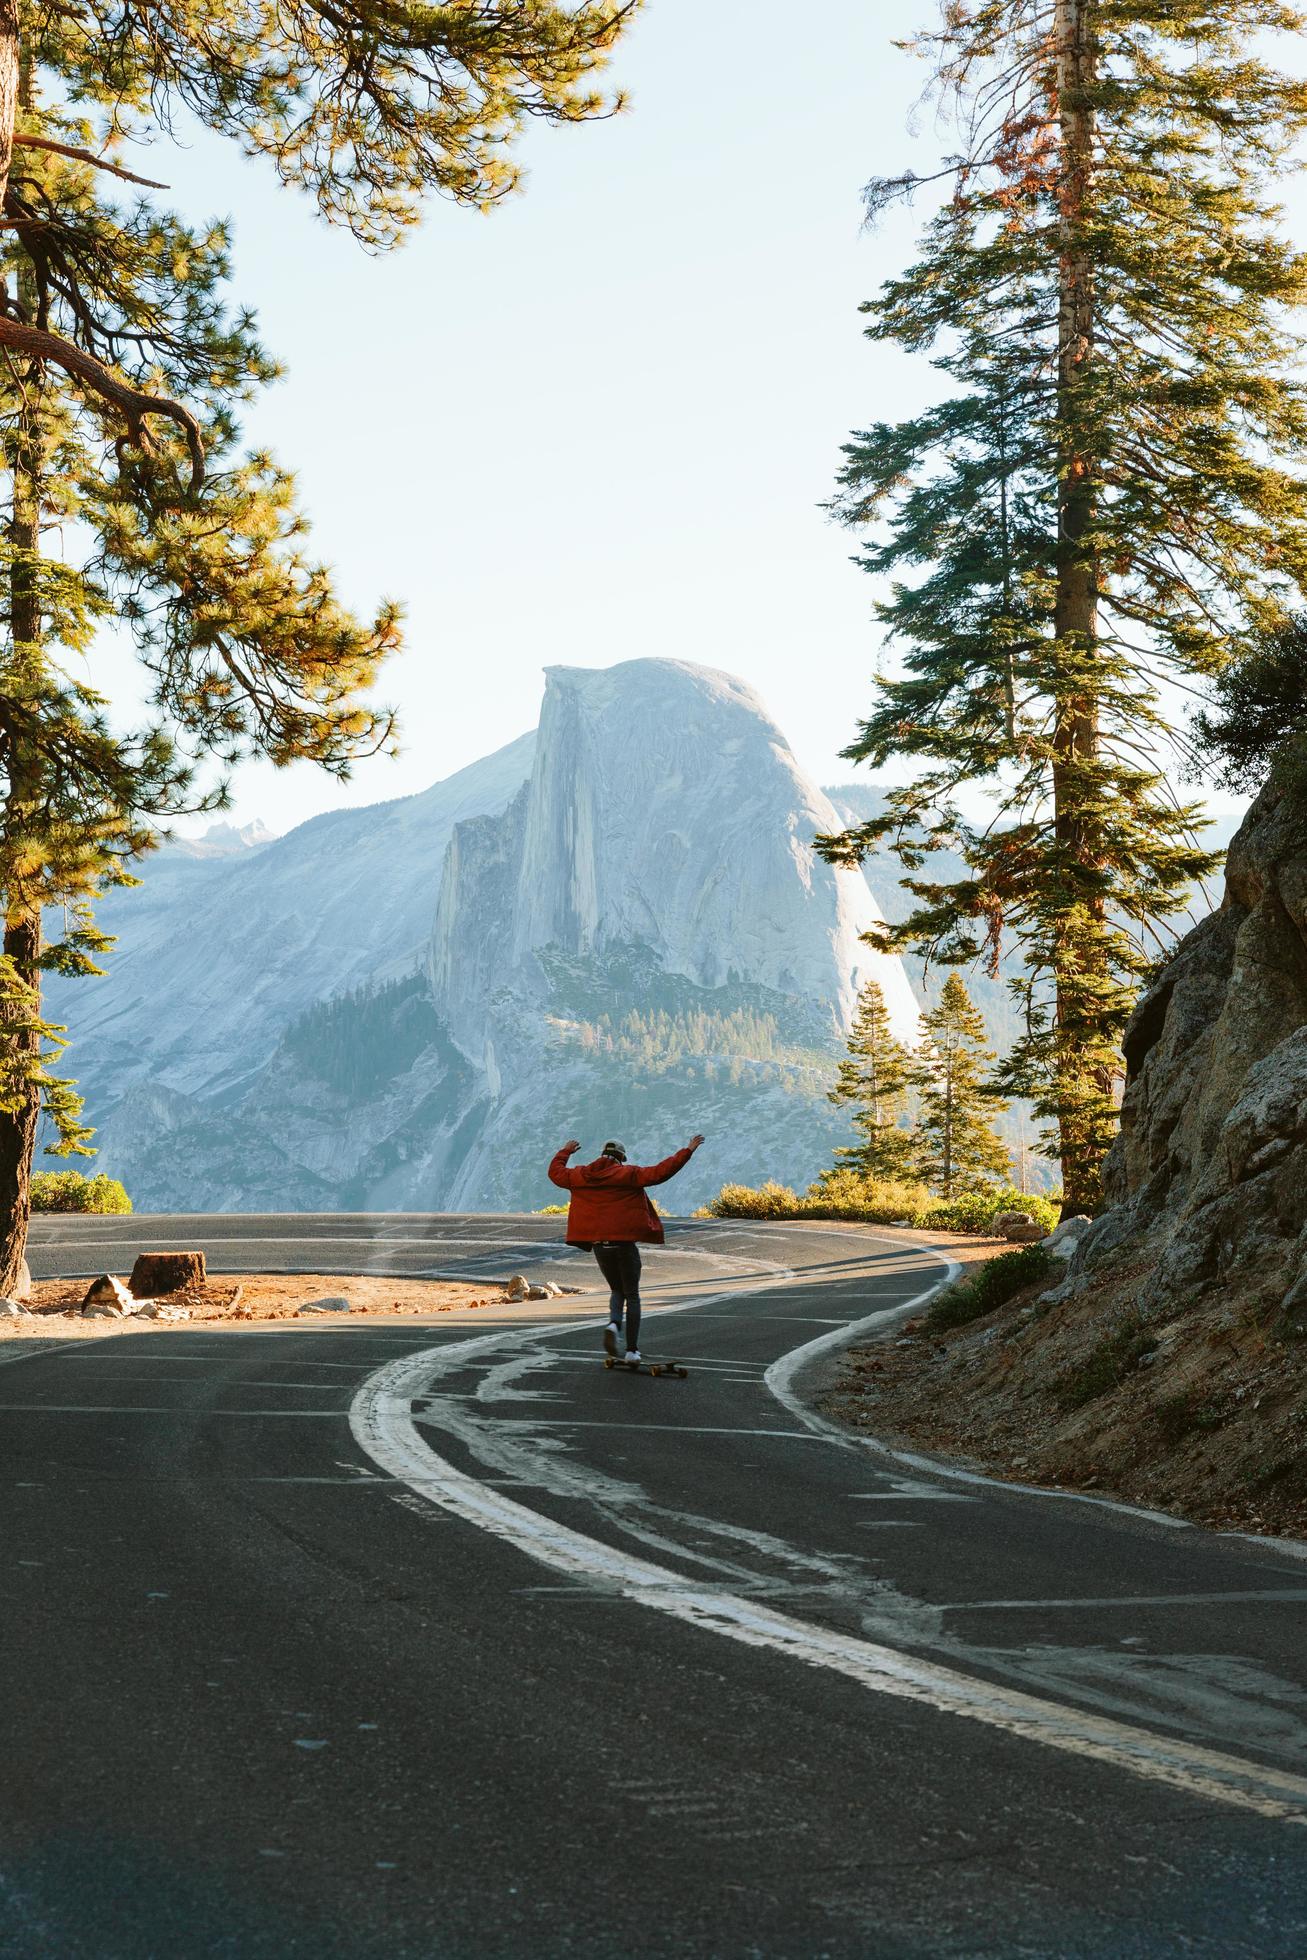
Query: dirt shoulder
{"points": [[1204, 1415], [55, 1304]]}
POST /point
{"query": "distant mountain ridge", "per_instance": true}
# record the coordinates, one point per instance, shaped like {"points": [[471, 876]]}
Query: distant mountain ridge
{"points": [[613, 926]]}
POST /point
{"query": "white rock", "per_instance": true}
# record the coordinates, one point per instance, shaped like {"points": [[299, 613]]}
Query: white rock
{"points": [[518, 1287], [107, 1296], [1073, 1229], [329, 1303], [1058, 1295], [12, 1310], [162, 1310]]}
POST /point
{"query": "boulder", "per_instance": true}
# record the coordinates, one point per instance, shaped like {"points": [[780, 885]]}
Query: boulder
{"points": [[1003, 1219], [107, 1294], [518, 1287], [1018, 1228], [12, 1310], [329, 1303], [163, 1310], [1065, 1239], [156, 1273]]}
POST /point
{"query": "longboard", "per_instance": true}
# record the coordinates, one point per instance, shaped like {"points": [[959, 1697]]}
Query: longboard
{"points": [[647, 1367]]}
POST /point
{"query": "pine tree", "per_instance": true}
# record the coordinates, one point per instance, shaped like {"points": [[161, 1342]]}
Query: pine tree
{"points": [[873, 1083], [1106, 498], [957, 1149], [122, 375]]}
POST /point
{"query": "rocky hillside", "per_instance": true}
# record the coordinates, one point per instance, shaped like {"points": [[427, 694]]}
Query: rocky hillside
{"points": [[1169, 1365], [1210, 1168]]}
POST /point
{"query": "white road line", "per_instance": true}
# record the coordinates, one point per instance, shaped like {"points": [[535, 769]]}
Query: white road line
{"points": [[780, 1379], [1130, 1600], [672, 1429], [382, 1422], [153, 1409]]}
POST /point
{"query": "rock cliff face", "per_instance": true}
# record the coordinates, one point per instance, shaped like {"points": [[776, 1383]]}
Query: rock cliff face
{"points": [[612, 927], [645, 940], [665, 811], [1209, 1173]]}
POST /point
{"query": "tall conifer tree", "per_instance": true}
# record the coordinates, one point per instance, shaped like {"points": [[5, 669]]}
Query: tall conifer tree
{"points": [[1107, 496], [121, 374], [873, 1084], [956, 1145]]}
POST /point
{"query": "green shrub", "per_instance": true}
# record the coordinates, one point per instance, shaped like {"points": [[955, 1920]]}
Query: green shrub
{"points": [[770, 1200], [975, 1211], [990, 1286], [852, 1194], [855, 1199], [549, 1211], [70, 1191], [1106, 1364]]}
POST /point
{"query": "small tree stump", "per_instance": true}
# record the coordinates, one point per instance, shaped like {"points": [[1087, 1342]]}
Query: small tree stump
{"points": [[166, 1272]]}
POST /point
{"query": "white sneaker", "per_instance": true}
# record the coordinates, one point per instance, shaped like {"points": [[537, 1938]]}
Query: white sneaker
{"points": [[632, 1357], [610, 1339]]}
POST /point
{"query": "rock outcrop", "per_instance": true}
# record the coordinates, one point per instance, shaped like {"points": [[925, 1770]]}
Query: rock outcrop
{"points": [[645, 940], [665, 811], [1209, 1172]]}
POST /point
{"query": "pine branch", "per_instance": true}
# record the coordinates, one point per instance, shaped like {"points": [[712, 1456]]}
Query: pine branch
{"points": [[26, 140], [132, 404]]}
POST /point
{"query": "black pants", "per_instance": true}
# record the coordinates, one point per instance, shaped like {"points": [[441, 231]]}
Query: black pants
{"points": [[619, 1262]]}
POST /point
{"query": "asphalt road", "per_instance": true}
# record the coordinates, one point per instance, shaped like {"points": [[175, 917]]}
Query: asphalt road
{"points": [[427, 1640]]}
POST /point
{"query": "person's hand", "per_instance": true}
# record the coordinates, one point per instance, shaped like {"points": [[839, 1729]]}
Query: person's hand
{"points": [[568, 1148], [695, 1142]]}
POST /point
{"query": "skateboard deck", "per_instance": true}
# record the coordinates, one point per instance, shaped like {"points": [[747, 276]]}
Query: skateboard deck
{"points": [[646, 1367]]}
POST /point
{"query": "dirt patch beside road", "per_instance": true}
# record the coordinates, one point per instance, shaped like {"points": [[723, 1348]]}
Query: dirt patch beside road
{"points": [[56, 1303]]}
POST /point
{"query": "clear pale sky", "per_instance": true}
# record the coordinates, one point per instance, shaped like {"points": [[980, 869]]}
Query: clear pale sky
{"points": [[599, 422]]}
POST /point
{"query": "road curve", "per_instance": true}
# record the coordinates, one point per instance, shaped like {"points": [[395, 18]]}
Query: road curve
{"points": [[438, 1639]]}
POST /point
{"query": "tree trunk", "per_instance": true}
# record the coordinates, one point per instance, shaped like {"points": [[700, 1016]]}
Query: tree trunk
{"points": [[9, 86], [22, 933], [18, 1125], [1081, 956]]}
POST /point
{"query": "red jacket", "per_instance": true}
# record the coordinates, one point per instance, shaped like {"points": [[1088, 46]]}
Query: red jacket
{"points": [[608, 1200]]}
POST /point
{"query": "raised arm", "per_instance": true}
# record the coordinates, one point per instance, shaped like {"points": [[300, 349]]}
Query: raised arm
{"points": [[558, 1171], [659, 1173]]}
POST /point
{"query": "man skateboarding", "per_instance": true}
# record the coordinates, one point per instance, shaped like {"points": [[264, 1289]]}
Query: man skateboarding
{"points": [[609, 1213]]}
